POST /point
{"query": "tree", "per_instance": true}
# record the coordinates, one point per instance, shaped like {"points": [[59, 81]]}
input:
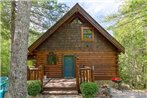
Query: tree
{"points": [[43, 14], [129, 28], [19, 39]]}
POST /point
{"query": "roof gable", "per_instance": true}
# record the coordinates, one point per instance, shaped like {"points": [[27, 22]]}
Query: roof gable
{"points": [[76, 9]]}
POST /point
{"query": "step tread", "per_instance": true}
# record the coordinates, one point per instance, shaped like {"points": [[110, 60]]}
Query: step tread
{"points": [[60, 84], [72, 92], [59, 88]]}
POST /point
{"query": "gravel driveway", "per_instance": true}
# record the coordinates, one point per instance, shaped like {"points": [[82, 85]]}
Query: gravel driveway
{"points": [[129, 94]]}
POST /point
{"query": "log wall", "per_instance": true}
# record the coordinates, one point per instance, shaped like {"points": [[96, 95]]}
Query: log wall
{"points": [[105, 63]]}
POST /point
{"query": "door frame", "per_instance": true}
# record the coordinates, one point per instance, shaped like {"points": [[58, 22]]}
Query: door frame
{"points": [[73, 66]]}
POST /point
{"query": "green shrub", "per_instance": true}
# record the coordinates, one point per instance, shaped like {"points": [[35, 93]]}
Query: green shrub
{"points": [[89, 89], [4, 70], [33, 87]]}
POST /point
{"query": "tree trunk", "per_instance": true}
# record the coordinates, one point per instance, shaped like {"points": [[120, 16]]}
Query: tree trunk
{"points": [[19, 49]]}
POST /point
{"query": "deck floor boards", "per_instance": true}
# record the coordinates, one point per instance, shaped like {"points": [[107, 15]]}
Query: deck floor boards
{"points": [[61, 83]]}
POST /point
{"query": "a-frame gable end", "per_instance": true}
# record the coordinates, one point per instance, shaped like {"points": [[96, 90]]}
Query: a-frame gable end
{"points": [[68, 15]]}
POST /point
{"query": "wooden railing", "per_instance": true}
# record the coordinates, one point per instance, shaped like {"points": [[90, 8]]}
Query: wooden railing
{"points": [[84, 74], [35, 73]]}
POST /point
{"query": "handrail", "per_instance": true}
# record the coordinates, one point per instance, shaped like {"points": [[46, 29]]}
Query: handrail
{"points": [[35, 73], [77, 78], [84, 74]]}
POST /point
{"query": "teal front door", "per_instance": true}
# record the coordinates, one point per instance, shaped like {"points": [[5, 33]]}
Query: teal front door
{"points": [[68, 66]]}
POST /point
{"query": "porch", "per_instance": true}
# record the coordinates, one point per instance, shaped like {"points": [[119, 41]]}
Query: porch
{"points": [[62, 86]]}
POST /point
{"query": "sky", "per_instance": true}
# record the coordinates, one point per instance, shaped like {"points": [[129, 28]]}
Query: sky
{"points": [[98, 9]]}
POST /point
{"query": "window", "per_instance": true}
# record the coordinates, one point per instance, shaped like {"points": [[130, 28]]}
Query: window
{"points": [[76, 21], [51, 60], [87, 33]]}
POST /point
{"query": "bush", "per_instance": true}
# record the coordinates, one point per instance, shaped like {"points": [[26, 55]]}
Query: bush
{"points": [[89, 89], [4, 70], [33, 87]]}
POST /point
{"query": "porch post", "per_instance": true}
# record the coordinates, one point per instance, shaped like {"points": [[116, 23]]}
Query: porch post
{"points": [[41, 69], [77, 76]]}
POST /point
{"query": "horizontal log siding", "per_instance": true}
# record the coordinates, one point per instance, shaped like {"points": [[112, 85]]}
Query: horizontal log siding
{"points": [[52, 71], [105, 63]]}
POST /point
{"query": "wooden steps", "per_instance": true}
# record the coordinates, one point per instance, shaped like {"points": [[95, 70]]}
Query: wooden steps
{"points": [[60, 87]]}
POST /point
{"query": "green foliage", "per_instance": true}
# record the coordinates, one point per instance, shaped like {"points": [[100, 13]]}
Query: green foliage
{"points": [[33, 87], [5, 20], [30, 63], [5, 37], [89, 89], [4, 57], [45, 13], [130, 30]]}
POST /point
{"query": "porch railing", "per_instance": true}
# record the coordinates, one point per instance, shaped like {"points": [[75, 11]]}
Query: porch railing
{"points": [[85, 74], [35, 73]]}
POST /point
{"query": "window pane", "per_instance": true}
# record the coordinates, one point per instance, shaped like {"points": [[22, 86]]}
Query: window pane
{"points": [[87, 34]]}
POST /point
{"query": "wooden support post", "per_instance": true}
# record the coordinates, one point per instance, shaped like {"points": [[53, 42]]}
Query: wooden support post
{"points": [[92, 73], [77, 78], [28, 73], [41, 72]]}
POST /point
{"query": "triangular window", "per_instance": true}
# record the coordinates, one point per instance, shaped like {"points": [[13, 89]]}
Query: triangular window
{"points": [[76, 21]]}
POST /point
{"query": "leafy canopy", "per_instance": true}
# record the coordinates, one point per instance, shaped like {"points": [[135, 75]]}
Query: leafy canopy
{"points": [[130, 29]]}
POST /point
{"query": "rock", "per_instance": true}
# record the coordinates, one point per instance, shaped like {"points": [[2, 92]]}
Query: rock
{"points": [[125, 87], [105, 91]]}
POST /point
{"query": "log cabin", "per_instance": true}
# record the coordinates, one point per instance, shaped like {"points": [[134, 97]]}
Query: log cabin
{"points": [[73, 43]]}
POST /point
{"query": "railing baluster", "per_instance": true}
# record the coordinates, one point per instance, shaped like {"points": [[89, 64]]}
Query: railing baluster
{"points": [[35, 74], [86, 74], [90, 78]]}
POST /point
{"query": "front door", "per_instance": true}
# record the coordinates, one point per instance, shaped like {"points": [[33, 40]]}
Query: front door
{"points": [[68, 66]]}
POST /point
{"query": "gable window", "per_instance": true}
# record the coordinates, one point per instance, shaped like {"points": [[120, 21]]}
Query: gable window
{"points": [[87, 33], [76, 21], [52, 59]]}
